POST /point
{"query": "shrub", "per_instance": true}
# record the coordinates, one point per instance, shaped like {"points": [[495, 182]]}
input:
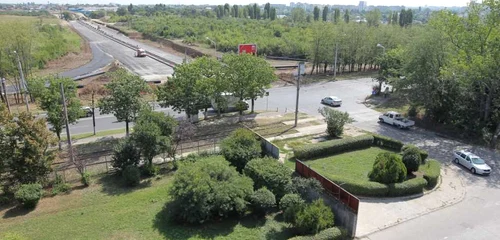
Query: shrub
{"points": [[432, 170], [332, 147], [240, 147], [335, 121], [208, 188], [388, 168], [59, 186], [290, 214], [268, 172], [262, 201], [29, 195], [362, 188], [131, 175], [125, 154], [313, 218], [332, 233], [411, 159], [289, 200], [309, 189], [386, 142], [86, 181], [150, 170], [423, 153], [412, 186]]}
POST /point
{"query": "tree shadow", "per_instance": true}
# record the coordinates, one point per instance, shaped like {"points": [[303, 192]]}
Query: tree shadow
{"points": [[113, 184], [17, 211]]}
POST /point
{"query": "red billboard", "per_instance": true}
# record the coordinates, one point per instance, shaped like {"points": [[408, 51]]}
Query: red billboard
{"points": [[247, 48]]}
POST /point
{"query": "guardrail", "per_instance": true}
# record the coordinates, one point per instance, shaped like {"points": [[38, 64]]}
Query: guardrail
{"points": [[150, 54], [333, 189]]}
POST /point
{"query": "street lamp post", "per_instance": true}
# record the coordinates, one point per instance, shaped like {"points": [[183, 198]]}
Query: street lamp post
{"points": [[301, 69], [215, 46], [380, 46], [23, 82]]}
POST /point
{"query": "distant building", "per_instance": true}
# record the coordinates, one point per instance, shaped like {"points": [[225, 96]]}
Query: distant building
{"points": [[362, 5]]}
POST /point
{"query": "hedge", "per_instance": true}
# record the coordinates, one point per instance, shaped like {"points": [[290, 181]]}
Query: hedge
{"points": [[333, 147], [408, 187], [362, 188], [423, 154], [333, 233], [432, 170], [386, 142]]}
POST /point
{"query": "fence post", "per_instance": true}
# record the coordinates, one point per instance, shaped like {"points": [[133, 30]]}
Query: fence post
{"points": [[106, 161]]}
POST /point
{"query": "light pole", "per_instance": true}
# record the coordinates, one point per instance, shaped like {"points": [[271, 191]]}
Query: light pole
{"points": [[380, 46], [215, 46], [23, 82], [300, 71], [335, 64]]}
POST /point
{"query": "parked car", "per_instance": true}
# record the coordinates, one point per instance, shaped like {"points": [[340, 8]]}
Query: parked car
{"points": [[472, 162], [396, 119], [86, 112], [332, 101]]}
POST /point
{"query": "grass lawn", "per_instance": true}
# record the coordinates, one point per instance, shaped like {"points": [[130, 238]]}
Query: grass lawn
{"points": [[97, 134], [353, 165], [106, 210]]}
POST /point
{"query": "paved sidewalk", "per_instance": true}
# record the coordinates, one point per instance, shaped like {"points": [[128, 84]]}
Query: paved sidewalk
{"points": [[377, 214]]}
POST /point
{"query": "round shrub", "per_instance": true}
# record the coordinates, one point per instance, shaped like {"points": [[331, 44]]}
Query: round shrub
{"points": [[240, 147], [423, 154], [313, 218], [29, 195], [411, 159], [132, 176], [262, 201], [268, 172], [290, 200], [208, 188], [388, 168], [150, 170], [125, 154], [309, 189]]}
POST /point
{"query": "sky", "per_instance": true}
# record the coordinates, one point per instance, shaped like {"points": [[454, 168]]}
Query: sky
{"points": [[408, 3]]}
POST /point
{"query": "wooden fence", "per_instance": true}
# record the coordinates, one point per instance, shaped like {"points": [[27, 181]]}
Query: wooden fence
{"points": [[332, 188]]}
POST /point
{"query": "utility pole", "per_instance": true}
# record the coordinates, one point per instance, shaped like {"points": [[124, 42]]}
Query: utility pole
{"points": [[335, 64], [23, 82], [65, 111], [93, 111], [301, 66], [5, 94]]}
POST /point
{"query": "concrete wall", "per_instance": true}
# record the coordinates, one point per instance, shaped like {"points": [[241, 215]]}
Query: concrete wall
{"points": [[270, 149], [344, 217]]}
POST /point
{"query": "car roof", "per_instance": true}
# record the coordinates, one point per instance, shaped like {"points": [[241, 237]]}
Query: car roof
{"points": [[392, 112], [468, 153], [333, 97]]}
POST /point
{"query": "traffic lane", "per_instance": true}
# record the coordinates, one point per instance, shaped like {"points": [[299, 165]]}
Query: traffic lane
{"points": [[99, 60]]}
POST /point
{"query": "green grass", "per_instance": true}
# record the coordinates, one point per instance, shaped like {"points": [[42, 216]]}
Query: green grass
{"points": [[109, 211], [98, 134]]}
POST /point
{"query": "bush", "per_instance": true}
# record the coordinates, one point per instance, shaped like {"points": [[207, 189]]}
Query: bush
{"points": [[150, 170], [268, 172], [328, 148], [432, 170], [86, 181], [240, 147], [309, 189], [388, 168], [409, 187], [289, 200], [29, 195], [332, 233], [59, 186], [262, 201], [335, 121], [125, 154], [423, 153], [411, 159], [386, 142], [290, 214], [313, 218], [131, 175], [208, 188]]}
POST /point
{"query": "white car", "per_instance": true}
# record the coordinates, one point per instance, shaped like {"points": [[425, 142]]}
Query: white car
{"points": [[332, 101], [472, 162], [396, 119]]}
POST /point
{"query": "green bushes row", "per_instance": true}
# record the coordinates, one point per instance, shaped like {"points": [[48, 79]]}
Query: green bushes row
{"points": [[408, 187], [386, 142], [333, 147], [333, 233], [431, 170]]}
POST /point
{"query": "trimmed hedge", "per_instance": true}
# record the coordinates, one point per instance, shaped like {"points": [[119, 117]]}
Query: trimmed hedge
{"points": [[423, 154], [333, 147], [333, 233], [409, 187], [386, 142], [432, 170]]}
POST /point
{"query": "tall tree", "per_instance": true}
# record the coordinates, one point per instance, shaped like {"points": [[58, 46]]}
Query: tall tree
{"points": [[373, 18], [256, 11], [402, 18], [267, 11], [273, 14], [325, 13], [298, 15], [316, 13], [336, 15], [227, 10], [346, 16], [122, 11], [236, 12], [124, 96], [131, 9]]}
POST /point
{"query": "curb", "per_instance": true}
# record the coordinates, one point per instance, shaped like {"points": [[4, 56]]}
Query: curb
{"points": [[420, 214]]}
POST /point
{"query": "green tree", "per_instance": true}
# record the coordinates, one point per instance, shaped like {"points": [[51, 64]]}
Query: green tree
{"points": [[262, 201], [256, 11], [411, 159], [316, 13], [130, 9], [269, 173], [248, 76], [335, 121], [240, 147], [298, 15], [373, 17], [125, 154], [336, 15], [314, 217], [388, 168], [325, 13], [124, 96], [346, 16], [50, 100], [122, 11], [390, 67], [267, 11]]}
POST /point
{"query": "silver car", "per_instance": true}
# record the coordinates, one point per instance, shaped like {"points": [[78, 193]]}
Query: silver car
{"points": [[472, 162], [332, 101]]}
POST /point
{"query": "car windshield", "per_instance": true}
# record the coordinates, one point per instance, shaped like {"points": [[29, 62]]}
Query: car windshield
{"points": [[477, 160]]}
